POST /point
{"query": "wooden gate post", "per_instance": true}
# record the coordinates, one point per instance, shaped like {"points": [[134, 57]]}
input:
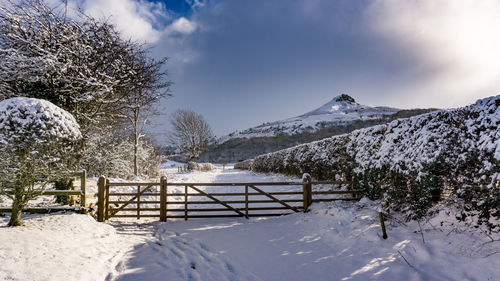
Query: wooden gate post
{"points": [[83, 187], [306, 191], [163, 198], [101, 187], [107, 214]]}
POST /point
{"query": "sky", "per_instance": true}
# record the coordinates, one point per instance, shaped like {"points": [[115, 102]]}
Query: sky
{"points": [[242, 63]]}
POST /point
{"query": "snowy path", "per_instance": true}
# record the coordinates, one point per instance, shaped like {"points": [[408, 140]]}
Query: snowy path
{"points": [[169, 256]]}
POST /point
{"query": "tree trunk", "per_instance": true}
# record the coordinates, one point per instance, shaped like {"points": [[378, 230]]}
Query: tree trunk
{"points": [[136, 140], [17, 208]]}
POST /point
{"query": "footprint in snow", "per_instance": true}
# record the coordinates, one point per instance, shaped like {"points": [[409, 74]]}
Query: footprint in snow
{"points": [[173, 257]]}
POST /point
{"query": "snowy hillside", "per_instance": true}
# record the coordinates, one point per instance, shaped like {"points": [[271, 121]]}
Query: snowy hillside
{"points": [[341, 110], [408, 160]]}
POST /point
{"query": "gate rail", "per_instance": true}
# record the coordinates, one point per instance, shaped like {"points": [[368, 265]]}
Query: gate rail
{"points": [[188, 202]]}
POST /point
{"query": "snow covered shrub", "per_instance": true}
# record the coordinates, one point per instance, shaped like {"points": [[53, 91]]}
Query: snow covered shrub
{"points": [[106, 155], [409, 162], [203, 167], [39, 143], [112, 156], [149, 159]]}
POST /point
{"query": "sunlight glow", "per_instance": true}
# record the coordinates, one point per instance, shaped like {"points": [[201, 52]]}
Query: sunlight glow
{"points": [[456, 42]]}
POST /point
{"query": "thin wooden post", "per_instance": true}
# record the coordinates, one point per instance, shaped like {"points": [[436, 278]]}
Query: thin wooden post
{"points": [[382, 224], [106, 206], [186, 203], [83, 187], [72, 197], [309, 192], [355, 194], [163, 198], [246, 201], [138, 202], [306, 191], [101, 187]]}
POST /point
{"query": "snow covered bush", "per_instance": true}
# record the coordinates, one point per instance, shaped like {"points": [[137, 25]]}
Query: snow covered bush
{"points": [[409, 162], [113, 156], [39, 143], [203, 167]]}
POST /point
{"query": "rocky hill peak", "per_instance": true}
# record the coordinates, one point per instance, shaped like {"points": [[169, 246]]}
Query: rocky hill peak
{"points": [[344, 98]]}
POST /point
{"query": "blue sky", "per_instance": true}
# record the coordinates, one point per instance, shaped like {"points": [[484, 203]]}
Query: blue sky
{"points": [[241, 63], [180, 7]]}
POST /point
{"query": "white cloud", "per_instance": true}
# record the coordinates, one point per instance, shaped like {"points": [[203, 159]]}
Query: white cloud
{"points": [[456, 43], [183, 25], [145, 21], [134, 19]]}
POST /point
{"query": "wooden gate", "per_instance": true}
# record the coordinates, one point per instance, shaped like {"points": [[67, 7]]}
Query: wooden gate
{"points": [[165, 200]]}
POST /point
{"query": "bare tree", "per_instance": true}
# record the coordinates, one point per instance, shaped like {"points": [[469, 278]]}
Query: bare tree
{"points": [[191, 132]]}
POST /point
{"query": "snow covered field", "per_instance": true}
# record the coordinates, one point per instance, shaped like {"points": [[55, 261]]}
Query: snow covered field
{"points": [[335, 241]]}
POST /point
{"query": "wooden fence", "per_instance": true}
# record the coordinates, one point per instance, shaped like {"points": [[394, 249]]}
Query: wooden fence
{"points": [[81, 194], [165, 200]]}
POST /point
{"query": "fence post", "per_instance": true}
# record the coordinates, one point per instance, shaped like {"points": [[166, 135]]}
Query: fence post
{"points": [[382, 224], [186, 203], [107, 214], [83, 187], [101, 186], [246, 200], [138, 202], [163, 198], [306, 191]]}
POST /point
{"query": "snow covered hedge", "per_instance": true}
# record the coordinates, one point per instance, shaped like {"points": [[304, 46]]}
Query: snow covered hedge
{"points": [[407, 161]]}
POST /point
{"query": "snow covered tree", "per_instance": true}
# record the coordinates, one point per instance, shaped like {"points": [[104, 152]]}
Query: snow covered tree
{"points": [[80, 64], [46, 55], [191, 132], [148, 87], [38, 144], [112, 155]]}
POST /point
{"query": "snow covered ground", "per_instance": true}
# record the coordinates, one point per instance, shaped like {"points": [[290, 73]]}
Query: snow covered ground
{"points": [[335, 241], [59, 247]]}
